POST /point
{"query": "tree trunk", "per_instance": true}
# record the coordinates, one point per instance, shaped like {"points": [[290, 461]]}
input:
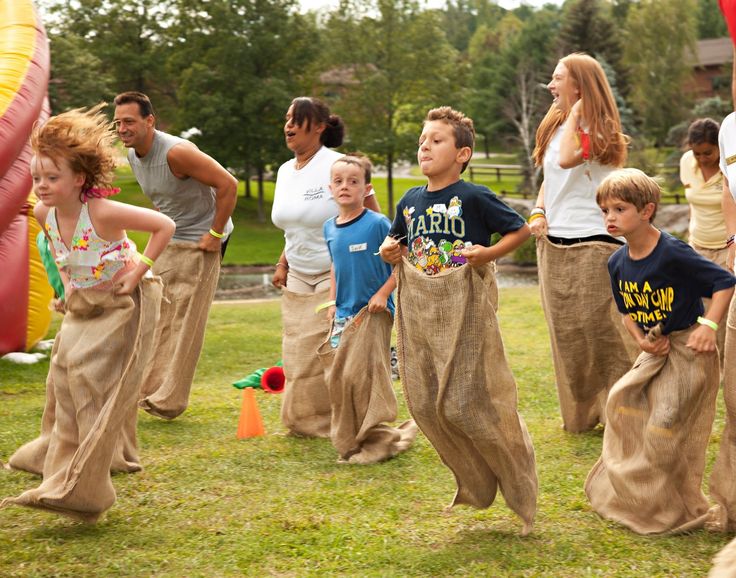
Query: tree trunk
{"points": [[261, 216], [248, 193]]}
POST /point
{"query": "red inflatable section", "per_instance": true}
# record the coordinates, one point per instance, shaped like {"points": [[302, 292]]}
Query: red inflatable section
{"points": [[728, 7], [24, 72]]}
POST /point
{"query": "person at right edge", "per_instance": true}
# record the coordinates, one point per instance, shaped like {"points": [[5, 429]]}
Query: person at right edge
{"points": [[579, 142], [723, 476]]}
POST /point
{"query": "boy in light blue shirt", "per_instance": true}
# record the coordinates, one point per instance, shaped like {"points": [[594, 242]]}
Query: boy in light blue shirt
{"points": [[357, 355], [359, 276]]}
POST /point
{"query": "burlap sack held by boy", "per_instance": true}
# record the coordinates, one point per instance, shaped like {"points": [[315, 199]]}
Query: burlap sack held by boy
{"points": [[305, 407], [361, 392], [584, 373], [96, 376], [180, 333], [659, 418], [459, 387]]}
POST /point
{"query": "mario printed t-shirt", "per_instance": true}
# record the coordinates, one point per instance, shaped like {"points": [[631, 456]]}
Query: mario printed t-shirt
{"points": [[666, 286], [437, 225]]}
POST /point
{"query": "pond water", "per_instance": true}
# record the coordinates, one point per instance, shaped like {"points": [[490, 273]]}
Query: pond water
{"points": [[257, 285]]}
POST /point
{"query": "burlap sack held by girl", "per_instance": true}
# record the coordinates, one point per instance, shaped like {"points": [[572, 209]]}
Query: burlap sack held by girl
{"points": [[659, 418], [185, 270], [362, 397], [305, 407], [577, 319], [459, 387], [31, 456], [101, 352]]}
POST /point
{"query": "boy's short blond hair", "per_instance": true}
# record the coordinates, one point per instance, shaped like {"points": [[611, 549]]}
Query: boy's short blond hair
{"points": [[630, 186], [359, 160], [462, 126]]}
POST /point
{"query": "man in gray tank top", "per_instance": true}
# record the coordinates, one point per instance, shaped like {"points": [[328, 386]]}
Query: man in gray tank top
{"points": [[195, 191]]}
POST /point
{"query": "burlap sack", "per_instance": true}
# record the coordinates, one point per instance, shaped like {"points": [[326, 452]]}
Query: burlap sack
{"points": [[305, 408], [362, 398], [659, 417], [723, 476], [724, 563], [591, 348], [30, 457], [459, 387], [101, 352], [720, 258], [190, 278]]}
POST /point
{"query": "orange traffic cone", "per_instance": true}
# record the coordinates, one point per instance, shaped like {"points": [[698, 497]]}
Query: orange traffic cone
{"points": [[250, 423]]}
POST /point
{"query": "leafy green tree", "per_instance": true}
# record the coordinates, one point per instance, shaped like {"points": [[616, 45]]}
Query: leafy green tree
{"points": [[242, 62], [711, 23], [659, 33], [462, 18], [588, 26], [510, 66], [399, 64], [127, 37], [486, 93], [78, 77]]}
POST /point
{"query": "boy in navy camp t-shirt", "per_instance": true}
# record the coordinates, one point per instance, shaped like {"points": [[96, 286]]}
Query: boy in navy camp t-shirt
{"points": [[660, 413], [656, 278]]}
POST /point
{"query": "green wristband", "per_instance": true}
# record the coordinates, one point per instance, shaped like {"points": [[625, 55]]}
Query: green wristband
{"points": [[708, 323], [147, 260], [324, 305]]}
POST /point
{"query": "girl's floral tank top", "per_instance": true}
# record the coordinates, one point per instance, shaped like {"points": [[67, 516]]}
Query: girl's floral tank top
{"points": [[90, 261]]}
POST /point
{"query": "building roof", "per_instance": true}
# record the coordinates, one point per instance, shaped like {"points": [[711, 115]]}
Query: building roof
{"points": [[714, 51]]}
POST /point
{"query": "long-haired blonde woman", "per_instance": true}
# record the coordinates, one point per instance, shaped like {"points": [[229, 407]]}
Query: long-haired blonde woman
{"points": [[579, 142]]}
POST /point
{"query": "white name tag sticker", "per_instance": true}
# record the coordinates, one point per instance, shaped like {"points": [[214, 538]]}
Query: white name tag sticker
{"points": [[358, 247]]}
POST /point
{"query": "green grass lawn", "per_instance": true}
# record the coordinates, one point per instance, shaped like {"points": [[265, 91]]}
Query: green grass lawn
{"points": [[208, 504]]}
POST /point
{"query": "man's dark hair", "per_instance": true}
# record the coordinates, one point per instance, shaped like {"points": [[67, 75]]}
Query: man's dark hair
{"points": [[144, 103]]}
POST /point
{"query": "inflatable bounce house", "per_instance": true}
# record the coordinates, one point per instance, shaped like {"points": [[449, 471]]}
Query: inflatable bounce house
{"points": [[25, 293]]}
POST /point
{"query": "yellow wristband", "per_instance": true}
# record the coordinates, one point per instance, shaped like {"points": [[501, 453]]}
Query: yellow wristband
{"points": [[147, 260], [324, 305], [708, 323], [537, 216], [216, 234]]}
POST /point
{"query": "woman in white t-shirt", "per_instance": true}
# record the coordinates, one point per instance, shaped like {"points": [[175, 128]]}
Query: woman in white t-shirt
{"points": [[302, 203], [579, 142]]}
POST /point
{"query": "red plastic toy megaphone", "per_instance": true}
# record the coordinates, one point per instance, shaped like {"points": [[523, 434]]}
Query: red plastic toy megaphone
{"points": [[273, 379]]}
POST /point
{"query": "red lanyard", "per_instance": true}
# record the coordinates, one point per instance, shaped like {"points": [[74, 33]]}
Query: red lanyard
{"points": [[584, 143]]}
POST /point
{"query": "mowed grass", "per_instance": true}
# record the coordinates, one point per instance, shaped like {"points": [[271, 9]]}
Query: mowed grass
{"points": [[208, 504]]}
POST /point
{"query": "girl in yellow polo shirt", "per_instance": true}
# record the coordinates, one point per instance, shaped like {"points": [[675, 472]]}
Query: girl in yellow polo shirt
{"points": [[703, 181]]}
